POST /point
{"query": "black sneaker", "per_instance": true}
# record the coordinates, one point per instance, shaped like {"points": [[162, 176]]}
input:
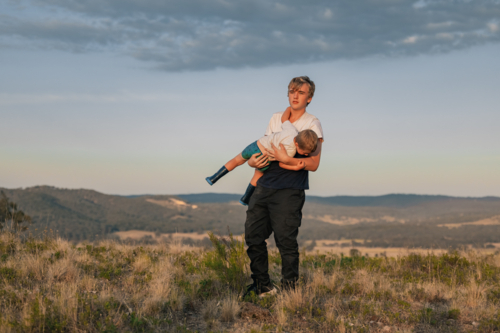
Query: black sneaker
{"points": [[257, 290]]}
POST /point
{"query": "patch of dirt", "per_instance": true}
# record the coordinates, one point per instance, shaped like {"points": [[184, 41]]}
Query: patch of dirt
{"points": [[252, 311], [172, 203]]}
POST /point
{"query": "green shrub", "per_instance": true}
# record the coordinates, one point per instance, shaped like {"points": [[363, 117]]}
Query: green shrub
{"points": [[490, 324], [494, 296], [454, 314], [35, 246], [206, 289], [50, 321], [228, 260], [447, 268], [8, 273]]}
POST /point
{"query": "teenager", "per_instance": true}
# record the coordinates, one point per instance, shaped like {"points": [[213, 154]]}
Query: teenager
{"points": [[276, 204]]}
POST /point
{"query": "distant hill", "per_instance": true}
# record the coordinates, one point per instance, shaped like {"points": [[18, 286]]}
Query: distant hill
{"points": [[388, 220], [389, 200], [392, 200], [210, 197]]}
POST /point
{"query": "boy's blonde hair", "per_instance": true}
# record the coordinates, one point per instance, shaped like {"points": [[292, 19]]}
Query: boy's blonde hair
{"points": [[298, 81], [307, 140]]}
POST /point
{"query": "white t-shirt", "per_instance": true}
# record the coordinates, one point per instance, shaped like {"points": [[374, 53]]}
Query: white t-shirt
{"points": [[306, 121], [287, 132]]}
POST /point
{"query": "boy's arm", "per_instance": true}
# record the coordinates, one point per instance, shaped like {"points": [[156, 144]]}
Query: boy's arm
{"points": [[299, 166], [311, 163]]}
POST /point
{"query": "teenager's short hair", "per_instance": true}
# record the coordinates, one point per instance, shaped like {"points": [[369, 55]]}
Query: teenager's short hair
{"points": [[298, 81], [307, 140]]}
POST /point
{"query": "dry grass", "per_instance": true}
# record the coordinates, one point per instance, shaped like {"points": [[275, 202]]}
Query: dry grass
{"points": [[52, 285], [230, 309]]}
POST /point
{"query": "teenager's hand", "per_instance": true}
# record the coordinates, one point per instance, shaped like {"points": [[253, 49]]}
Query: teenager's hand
{"points": [[279, 154], [257, 161]]}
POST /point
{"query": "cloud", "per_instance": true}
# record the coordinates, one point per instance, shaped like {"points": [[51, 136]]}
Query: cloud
{"points": [[179, 35]]}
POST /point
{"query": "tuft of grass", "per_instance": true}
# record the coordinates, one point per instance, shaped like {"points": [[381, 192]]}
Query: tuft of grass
{"points": [[230, 309]]}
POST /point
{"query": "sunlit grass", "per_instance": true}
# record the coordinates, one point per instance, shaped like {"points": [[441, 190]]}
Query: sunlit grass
{"points": [[51, 285]]}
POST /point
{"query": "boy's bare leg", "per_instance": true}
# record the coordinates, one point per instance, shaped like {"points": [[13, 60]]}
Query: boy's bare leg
{"points": [[235, 162], [256, 176]]}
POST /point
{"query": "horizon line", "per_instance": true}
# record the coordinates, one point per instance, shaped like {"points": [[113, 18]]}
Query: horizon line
{"points": [[225, 193]]}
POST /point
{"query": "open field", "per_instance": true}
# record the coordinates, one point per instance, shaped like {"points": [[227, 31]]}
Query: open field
{"points": [[320, 246], [346, 220], [52, 285], [494, 220], [334, 247], [139, 234]]}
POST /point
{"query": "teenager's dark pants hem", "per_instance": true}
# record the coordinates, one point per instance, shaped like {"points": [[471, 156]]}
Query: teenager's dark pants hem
{"points": [[278, 211]]}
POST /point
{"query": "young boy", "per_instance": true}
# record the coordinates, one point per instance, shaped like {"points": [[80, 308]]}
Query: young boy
{"points": [[304, 143]]}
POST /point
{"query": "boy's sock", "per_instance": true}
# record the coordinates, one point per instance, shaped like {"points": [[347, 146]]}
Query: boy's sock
{"points": [[245, 199], [218, 175]]}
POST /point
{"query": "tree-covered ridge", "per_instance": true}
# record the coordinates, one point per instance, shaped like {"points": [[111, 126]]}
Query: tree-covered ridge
{"points": [[405, 221]]}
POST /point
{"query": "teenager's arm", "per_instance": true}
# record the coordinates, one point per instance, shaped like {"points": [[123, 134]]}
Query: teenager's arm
{"points": [[286, 115], [311, 163]]}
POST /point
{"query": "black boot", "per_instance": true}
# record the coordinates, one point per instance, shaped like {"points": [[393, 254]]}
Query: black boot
{"points": [[218, 175], [245, 199], [288, 285]]}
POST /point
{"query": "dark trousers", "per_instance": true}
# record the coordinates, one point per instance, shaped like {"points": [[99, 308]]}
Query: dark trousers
{"points": [[278, 211]]}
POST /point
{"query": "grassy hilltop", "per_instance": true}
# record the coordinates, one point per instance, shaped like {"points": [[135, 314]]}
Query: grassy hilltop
{"points": [[51, 285]]}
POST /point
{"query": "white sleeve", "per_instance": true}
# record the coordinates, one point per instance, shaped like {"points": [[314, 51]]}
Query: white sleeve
{"points": [[269, 129], [316, 127], [274, 124]]}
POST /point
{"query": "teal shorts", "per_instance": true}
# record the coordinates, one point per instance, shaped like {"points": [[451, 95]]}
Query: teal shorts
{"points": [[251, 149]]}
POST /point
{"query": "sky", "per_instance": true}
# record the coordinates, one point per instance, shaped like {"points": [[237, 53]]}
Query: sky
{"points": [[150, 97]]}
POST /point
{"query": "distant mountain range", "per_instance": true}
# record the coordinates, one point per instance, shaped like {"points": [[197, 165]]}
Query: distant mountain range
{"points": [[393, 219], [389, 200]]}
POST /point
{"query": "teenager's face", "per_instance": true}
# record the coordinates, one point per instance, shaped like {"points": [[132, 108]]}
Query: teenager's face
{"points": [[299, 98]]}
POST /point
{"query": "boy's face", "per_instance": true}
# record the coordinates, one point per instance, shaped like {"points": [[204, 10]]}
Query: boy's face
{"points": [[301, 151], [299, 98]]}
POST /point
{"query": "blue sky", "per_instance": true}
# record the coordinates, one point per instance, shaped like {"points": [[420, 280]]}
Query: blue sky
{"points": [[137, 97]]}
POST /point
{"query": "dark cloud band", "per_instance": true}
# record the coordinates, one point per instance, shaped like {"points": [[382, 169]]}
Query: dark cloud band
{"points": [[206, 34]]}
